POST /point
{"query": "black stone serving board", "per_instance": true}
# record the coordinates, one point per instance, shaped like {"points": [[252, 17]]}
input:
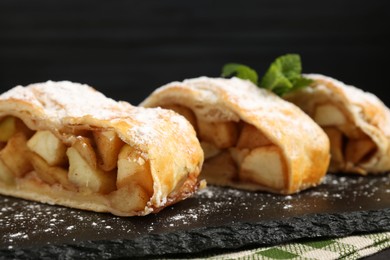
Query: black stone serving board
{"points": [[215, 219]]}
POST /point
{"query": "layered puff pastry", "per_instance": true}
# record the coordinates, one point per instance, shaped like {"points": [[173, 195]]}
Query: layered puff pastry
{"points": [[252, 139], [357, 123], [67, 144]]}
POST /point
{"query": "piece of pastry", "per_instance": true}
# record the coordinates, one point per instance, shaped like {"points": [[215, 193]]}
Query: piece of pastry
{"points": [[252, 139], [67, 144], [357, 123]]}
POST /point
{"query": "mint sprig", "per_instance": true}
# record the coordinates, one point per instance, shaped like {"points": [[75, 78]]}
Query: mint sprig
{"points": [[284, 74], [240, 71]]}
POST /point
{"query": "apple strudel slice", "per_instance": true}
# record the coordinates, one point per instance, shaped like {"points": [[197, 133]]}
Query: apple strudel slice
{"points": [[65, 143], [357, 123], [252, 139]]}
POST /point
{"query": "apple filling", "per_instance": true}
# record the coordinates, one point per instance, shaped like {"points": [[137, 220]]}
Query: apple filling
{"points": [[349, 145], [98, 162], [237, 152]]}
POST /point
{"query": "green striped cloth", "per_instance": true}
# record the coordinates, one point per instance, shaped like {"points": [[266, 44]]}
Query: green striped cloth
{"points": [[352, 247]]}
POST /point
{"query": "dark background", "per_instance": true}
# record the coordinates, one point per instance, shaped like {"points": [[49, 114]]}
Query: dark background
{"points": [[126, 49]]}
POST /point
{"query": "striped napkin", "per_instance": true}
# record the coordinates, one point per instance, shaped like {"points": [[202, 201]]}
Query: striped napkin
{"points": [[352, 247]]}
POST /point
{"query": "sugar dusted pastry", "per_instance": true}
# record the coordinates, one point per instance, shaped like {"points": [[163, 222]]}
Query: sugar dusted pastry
{"points": [[357, 123], [65, 143], [252, 139]]}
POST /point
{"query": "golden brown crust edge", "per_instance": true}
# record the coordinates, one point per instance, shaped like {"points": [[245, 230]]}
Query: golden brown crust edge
{"points": [[166, 139]]}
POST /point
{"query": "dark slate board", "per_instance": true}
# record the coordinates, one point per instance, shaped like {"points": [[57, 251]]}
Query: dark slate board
{"points": [[215, 219]]}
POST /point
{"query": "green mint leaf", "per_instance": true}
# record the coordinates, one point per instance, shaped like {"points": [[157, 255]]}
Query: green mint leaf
{"points": [[282, 72], [284, 75], [240, 71], [290, 66], [301, 83], [274, 80]]}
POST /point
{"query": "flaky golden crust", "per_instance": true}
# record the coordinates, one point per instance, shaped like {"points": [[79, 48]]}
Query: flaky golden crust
{"points": [[164, 138], [363, 110], [303, 143]]}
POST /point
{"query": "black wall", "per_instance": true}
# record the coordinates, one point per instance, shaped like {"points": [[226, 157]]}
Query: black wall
{"points": [[128, 48]]}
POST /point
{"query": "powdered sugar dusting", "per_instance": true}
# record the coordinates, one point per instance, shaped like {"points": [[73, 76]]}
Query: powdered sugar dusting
{"points": [[152, 125], [24, 223], [342, 193], [37, 221], [238, 91], [66, 99], [355, 95]]}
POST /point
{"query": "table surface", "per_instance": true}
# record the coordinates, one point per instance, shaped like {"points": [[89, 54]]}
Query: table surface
{"points": [[27, 225]]}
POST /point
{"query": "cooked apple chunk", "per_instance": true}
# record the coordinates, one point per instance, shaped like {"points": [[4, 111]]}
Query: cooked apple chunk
{"points": [[108, 146], [14, 154], [251, 137], [11, 125], [6, 174], [328, 114], [221, 134], [264, 165], [84, 147], [50, 174], [209, 150], [336, 144], [133, 169], [184, 111], [239, 155], [357, 150], [352, 131], [87, 176], [7, 128], [129, 199], [49, 147], [220, 167]]}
